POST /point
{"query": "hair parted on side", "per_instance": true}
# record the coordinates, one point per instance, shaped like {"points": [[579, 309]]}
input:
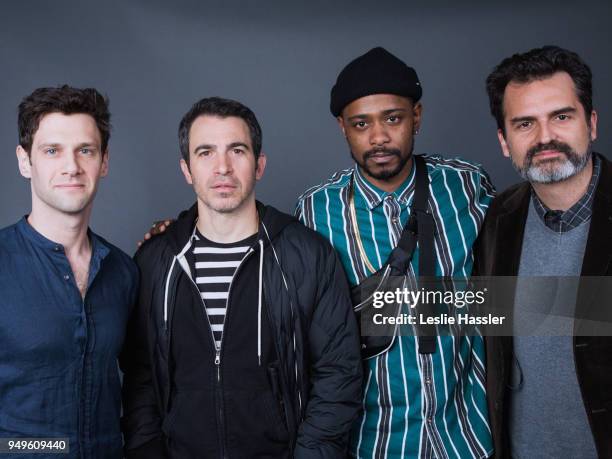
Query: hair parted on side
{"points": [[221, 108], [63, 99], [537, 64]]}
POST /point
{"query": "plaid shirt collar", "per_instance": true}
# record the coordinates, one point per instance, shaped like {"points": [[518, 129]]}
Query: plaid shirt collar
{"points": [[560, 221]]}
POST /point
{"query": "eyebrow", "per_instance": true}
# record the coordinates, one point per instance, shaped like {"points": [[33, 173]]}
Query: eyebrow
{"points": [[88, 145], [58, 145], [210, 146], [559, 111], [384, 112], [238, 144], [205, 146], [563, 110]]}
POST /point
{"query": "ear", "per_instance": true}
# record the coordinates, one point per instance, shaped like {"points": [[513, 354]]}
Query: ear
{"points": [[593, 125], [417, 111], [503, 143], [186, 172], [341, 124], [23, 160], [104, 170], [261, 166]]}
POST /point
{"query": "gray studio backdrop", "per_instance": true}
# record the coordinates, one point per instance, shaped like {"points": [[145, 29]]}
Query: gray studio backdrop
{"points": [[155, 58]]}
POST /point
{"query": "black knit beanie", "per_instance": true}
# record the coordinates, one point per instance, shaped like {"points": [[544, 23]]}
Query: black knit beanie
{"points": [[376, 72]]}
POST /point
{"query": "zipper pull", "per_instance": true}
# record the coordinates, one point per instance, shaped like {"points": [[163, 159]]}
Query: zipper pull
{"points": [[218, 364]]}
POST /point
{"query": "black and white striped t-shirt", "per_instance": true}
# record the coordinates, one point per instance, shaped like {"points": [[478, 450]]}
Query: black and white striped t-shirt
{"points": [[215, 266]]}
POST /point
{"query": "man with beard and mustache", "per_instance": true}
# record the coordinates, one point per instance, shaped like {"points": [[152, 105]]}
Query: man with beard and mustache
{"points": [[418, 401], [549, 390]]}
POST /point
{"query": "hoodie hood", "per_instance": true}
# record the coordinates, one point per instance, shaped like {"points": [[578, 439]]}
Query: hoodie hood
{"points": [[271, 223]]}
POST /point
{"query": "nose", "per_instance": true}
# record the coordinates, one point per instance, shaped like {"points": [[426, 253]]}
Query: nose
{"points": [[223, 165], [379, 135], [71, 164], [545, 133]]}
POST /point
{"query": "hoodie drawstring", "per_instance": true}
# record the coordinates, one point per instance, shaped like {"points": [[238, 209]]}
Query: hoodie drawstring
{"points": [[166, 294], [261, 258], [181, 261]]}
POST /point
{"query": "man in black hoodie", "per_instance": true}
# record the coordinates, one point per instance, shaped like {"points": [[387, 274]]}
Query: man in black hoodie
{"points": [[243, 342]]}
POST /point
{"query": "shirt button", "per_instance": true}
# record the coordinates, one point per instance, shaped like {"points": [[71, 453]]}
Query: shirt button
{"points": [[395, 219], [56, 248], [429, 420], [67, 276], [428, 381]]}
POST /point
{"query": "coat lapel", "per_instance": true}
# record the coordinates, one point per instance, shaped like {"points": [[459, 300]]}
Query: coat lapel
{"points": [[510, 228], [598, 252], [597, 260]]}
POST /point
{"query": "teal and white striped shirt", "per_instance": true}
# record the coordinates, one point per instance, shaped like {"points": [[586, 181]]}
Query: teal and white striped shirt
{"points": [[415, 405]]}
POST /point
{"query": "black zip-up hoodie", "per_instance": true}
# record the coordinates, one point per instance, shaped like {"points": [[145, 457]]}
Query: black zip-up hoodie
{"points": [[287, 379]]}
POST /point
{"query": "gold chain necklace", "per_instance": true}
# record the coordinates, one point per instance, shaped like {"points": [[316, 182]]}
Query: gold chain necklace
{"points": [[353, 215]]}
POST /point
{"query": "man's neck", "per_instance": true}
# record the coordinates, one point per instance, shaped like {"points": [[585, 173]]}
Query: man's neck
{"points": [[228, 227], [563, 195], [68, 230], [393, 183]]}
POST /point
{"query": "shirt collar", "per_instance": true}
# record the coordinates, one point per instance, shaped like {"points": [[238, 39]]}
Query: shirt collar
{"points": [[373, 195], [562, 221], [99, 249]]}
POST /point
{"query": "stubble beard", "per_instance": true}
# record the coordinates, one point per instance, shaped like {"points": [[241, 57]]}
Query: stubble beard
{"points": [[228, 203]]}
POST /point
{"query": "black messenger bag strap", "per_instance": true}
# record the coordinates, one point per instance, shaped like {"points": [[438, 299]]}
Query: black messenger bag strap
{"points": [[420, 227]]}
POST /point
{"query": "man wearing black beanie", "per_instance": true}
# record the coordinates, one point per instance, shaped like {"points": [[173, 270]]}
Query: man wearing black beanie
{"points": [[422, 398]]}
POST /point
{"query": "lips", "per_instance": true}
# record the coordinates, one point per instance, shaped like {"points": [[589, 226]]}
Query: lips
{"points": [[379, 153], [70, 186], [546, 155], [548, 152], [223, 187], [382, 157]]}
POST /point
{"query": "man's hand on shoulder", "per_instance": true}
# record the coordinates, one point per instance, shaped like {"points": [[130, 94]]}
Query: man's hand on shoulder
{"points": [[157, 228]]}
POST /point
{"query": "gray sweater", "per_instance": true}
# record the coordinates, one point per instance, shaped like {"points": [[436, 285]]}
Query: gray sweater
{"points": [[547, 415]]}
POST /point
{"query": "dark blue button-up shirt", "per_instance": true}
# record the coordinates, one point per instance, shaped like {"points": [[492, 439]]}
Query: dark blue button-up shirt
{"points": [[58, 352]]}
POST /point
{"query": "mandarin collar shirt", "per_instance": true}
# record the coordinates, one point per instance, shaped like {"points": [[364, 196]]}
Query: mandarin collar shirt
{"points": [[59, 375]]}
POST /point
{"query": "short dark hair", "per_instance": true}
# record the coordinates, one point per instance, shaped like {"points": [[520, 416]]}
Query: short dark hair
{"points": [[63, 99], [221, 108], [537, 64]]}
